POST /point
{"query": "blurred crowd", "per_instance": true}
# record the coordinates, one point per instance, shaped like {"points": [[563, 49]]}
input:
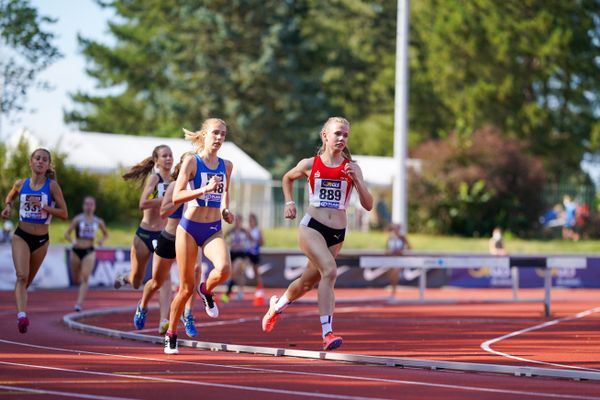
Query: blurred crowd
{"points": [[571, 218]]}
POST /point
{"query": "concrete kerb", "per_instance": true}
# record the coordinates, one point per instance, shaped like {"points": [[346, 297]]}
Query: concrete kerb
{"points": [[71, 320]]}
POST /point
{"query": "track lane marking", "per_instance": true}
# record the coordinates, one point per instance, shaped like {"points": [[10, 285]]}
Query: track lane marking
{"points": [[196, 383], [487, 345], [322, 375], [62, 394]]}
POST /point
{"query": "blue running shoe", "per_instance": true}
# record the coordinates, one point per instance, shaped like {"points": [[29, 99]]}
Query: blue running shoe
{"points": [[139, 319], [190, 326]]}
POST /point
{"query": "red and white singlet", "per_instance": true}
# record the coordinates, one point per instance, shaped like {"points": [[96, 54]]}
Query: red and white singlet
{"points": [[329, 187]]}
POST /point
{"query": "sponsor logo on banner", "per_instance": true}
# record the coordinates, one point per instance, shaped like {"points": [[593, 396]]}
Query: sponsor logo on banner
{"points": [[52, 274], [370, 274]]}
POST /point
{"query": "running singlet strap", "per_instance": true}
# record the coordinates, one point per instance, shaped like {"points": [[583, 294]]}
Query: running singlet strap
{"points": [[203, 175], [329, 187], [87, 229], [32, 203], [177, 213], [159, 189]]}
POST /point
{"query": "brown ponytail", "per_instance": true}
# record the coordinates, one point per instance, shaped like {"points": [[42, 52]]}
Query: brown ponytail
{"points": [[177, 168], [346, 151], [140, 171]]}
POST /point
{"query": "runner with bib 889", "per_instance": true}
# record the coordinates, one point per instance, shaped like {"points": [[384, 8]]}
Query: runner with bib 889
{"points": [[331, 175]]}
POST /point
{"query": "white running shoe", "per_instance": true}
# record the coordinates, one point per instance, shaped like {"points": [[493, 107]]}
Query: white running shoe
{"points": [[163, 327], [209, 303], [171, 345]]}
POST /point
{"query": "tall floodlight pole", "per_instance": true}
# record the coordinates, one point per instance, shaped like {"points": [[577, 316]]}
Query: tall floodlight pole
{"points": [[399, 198]]}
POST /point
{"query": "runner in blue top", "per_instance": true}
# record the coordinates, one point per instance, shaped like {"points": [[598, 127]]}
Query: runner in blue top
{"points": [[148, 233], [40, 198], [163, 258], [203, 183]]}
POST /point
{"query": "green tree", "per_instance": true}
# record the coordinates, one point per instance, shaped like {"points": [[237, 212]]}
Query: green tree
{"points": [[26, 48], [245, 61], [528, 67]]}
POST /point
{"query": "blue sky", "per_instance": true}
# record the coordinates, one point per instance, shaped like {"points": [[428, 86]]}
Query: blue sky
{"points": [[45, 108]]}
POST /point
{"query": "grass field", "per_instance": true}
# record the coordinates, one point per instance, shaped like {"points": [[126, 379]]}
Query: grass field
{"points": [[374, 240]]}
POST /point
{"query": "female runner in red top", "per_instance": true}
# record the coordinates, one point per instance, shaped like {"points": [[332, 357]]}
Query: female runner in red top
{"points": [[332, 175]]}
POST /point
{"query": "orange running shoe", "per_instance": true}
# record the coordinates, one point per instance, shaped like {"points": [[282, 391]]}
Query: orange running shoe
{"points": [[271, 317], [332, 342]]}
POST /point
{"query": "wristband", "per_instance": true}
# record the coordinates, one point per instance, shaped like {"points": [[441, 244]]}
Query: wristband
{"points": [[290, 203]]}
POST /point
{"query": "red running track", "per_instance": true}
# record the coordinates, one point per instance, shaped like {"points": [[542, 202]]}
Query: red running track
{"points": [[52, 362]]}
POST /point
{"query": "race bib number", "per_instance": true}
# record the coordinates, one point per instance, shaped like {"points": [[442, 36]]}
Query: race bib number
{"points": [[217, 194], [31, 206], [87, 230], [330, 193]]}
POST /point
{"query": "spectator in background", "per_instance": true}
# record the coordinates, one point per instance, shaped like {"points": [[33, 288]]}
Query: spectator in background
{"points": [[570, 219], [6, 233], [496, 244], [397, 243], [582, 215]]}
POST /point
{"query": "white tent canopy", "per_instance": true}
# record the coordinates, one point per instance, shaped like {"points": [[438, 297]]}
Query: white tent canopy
{"points": [[107, 152], [380, 171]]}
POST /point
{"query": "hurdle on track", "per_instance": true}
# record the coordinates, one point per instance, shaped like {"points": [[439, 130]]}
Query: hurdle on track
{"points": [[431, 262]]}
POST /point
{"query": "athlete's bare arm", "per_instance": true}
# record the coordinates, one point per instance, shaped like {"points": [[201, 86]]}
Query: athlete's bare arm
{"points": [[71, 229], [187, 172], [145, 202], [365, 197], [167, 207], [227, 215], [301, 170], [10, 197], [60, 211]]}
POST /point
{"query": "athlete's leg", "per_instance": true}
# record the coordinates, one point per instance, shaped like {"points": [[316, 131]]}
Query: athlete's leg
{"points": [[187, 252], [304, 284], [75, 262], [215, 249], [394, 277], [314, 246], [259, 281], [161, 268], [198, 279], [87, 266], [21, 258], [239, 275], [35, 261], [165, 295], [140, 254]]}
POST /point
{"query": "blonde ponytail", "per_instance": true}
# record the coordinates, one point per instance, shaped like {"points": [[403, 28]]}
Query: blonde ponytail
{"points": [[197, 138]]}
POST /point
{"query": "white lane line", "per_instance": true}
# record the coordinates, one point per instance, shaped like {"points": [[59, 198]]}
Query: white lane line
{"points": [[349, 309], [196, 383], [62, 394], [312, 374], [487, 345]]}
